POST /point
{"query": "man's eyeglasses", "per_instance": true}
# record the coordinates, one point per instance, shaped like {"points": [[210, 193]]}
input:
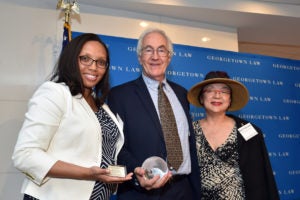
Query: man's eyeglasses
{"points": [[215, 91], [87, 61], [161, 51]]}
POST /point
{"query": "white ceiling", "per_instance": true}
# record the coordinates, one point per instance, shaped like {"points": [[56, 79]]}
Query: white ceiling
{"points": [[262, 21]]}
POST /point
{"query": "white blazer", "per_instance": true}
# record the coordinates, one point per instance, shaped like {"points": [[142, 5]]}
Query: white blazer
{"points": [[59, 126]]}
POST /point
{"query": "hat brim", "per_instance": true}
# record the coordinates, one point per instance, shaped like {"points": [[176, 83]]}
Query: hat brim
{"points": [[239, 93]]}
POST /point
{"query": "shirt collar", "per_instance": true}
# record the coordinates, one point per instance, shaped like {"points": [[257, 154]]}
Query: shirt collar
{"points": [[153, 84]]}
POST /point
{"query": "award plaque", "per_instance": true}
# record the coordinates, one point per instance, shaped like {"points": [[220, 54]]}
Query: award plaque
{"points": [[155, 166], [117, 170]]}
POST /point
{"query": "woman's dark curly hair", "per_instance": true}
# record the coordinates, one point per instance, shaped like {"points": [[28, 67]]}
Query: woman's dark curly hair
{"points": [[67, 68]]}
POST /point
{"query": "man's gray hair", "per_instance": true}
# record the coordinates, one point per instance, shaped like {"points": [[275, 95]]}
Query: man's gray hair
{"points": [[154, 30]]}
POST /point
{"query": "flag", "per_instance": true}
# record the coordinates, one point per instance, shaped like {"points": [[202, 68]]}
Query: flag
{"points": [[67, 35]]}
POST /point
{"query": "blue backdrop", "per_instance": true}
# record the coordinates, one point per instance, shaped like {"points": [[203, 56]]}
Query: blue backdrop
{"points": [[273, 84]]}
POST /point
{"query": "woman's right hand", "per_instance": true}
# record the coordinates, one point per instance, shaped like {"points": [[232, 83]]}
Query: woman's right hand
{"points": [[67, 170], [102, 175]]}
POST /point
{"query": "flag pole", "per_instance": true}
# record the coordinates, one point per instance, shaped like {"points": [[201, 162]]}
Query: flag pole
{"points": [[67, 8]]}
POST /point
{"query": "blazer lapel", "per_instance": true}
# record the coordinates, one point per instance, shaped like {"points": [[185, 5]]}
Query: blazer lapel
{"points": [[144, 95]]}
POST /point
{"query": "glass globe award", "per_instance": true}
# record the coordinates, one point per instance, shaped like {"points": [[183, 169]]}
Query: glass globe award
{"points": [[155, 166]]}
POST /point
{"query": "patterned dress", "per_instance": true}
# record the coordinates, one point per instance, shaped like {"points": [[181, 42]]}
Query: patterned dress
{"points": [[110, 135], [221, 178]]}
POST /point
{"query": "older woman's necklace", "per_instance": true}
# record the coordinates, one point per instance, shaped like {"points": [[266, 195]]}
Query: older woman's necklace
{"points": [[216, 134]]}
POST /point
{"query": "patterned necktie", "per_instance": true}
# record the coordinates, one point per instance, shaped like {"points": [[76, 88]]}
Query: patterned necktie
{"points": [[169, 127]]}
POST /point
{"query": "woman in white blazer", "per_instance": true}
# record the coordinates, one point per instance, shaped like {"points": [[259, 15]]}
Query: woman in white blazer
{"points": [[69, 136]]}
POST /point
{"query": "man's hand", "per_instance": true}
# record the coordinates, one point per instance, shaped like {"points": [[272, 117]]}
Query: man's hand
{"points": [[153, 183]]}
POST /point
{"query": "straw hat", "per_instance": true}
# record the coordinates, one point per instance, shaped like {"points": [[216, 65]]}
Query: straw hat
{"points": [[239, 93]]}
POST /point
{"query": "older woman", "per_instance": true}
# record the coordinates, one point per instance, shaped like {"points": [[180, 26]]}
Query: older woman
{"points": [[232, 154]]}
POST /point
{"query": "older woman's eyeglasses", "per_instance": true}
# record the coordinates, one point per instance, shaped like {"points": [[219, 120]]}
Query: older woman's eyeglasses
{"points": [[215, 91], [87, 61], [161, 51]]}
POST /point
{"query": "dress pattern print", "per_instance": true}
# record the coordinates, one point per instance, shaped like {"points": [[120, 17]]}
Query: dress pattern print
{"points": [[110, 135], [221, 178]]}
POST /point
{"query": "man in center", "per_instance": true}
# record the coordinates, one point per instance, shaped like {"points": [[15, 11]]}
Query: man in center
{"points": [[136, 102]]}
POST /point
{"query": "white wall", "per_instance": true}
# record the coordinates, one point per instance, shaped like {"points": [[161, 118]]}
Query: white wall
{"points": [[30, 43]]}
